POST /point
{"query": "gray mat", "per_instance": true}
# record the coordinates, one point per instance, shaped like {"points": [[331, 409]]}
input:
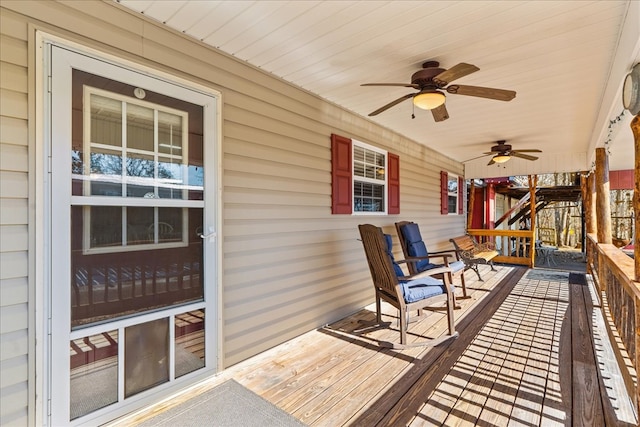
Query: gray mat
{"points": [[227, 405], [555, 276]]}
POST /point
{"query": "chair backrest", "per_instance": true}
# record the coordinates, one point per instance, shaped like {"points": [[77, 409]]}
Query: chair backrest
{"points": [[380, 263], [396, 267], [464, 243], [413, 246]]}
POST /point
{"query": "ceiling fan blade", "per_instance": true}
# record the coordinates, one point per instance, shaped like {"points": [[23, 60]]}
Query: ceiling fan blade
{"points": [[475, 158], [391, 104], [532, 150], [415, 86], [482, 92], [440, 113], [522, 156], [491, 162], [454, 73]]}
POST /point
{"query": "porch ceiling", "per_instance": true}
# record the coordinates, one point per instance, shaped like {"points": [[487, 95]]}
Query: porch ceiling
{"points": [[565, 59]]}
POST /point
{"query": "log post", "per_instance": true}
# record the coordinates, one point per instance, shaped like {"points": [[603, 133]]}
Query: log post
{"points": [[603, 208], [589, 203], [635, 128], [533, 183], [472, 199]]}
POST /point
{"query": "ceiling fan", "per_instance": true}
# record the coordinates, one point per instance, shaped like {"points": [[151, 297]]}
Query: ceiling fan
{"points": [[502, 152], [432, 80]]}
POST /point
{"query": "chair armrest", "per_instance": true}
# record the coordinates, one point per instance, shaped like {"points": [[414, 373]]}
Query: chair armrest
{"points": [[487, 246], [450, 252], [431, 272]]}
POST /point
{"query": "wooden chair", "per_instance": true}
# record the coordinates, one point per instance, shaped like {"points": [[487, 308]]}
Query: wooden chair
{"points": [[412, 293], [419, 258]]}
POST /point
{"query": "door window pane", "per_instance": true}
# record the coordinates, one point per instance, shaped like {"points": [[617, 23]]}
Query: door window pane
{"points": [[140, 127], [169, 133], [189, 342], [106, 226], [140, 225], [94, 373], [106, 121], [146, 356], [154, 262]]}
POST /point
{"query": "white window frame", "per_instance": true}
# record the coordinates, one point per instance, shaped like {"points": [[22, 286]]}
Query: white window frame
{"points": [[375, 181], [456, 193]]}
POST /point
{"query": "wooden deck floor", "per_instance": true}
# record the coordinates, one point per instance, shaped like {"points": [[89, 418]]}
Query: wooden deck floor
{"points": [[524, 357]]}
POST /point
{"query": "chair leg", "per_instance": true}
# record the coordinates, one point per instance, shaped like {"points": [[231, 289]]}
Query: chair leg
{"points": [[378, 313], [451, 302], [474, 267], [464, 285], [403, 325], [491, 264]]}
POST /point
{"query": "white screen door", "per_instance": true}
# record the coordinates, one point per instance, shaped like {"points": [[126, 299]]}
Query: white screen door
{"points": [[132, 277]]}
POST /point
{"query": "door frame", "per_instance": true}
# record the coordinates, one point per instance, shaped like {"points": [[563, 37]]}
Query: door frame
{"points": [[43, 231]]}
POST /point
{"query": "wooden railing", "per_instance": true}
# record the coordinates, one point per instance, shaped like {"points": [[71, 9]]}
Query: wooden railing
{"points": [[514, 246], [613, 274]]}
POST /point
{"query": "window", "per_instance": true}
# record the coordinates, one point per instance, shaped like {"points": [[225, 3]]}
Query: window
{"points": [[369, 178], [451, 194], [365, 179]]}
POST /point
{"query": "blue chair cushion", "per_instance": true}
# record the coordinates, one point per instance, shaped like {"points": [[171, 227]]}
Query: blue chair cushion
{"points": [[419, 289], [456, 266], [396, 267], [416, 247]]}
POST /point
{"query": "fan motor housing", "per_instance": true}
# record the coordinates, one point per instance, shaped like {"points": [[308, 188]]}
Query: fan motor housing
{"points": [[501, 148], [424, 77]]}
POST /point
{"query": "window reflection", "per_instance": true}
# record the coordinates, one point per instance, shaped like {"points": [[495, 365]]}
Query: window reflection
{"points": [[94, 373], [189, 342]]}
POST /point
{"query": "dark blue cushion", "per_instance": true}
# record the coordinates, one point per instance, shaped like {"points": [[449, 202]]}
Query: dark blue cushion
{"points": [[419, 289], [416, 247], [396, 267]]}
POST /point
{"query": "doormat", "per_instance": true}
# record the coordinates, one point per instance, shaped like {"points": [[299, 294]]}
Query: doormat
{"points": [[554, 276], [577, 279], [227, 405]]}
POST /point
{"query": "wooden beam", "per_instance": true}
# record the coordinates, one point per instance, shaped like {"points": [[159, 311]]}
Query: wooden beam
{"points": [[518, 205], [539, 206], [603, 208], [635, 128], [472, 200]]}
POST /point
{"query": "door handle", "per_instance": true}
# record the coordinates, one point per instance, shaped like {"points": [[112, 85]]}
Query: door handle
{"points": [[211, 235]]}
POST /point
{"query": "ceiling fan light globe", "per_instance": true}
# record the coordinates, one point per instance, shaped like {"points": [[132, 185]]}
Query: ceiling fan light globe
{"points": [[429, 100], [501, 158]]}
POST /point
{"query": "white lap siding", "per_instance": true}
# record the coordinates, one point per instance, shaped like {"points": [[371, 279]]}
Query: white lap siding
{"points": [[14, 215]]}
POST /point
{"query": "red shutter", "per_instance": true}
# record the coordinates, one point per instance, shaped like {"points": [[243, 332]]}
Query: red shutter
{"points": [[393, 183], [444, 192], [341, 188], [461, 191]]}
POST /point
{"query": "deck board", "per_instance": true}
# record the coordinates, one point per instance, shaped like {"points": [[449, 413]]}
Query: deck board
{"points": [[511, 365]]}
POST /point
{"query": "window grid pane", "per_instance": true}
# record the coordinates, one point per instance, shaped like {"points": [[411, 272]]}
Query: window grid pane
{"points": [[368, 163], [368, 197]]}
